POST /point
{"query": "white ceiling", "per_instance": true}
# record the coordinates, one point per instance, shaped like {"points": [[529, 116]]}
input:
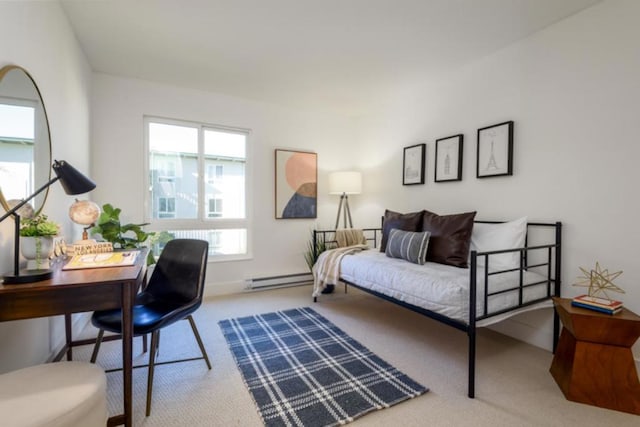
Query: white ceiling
{"points": [[340, 56]]}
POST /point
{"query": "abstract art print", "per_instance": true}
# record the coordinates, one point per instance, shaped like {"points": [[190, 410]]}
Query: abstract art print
{"points": [[296, 184], [495, 150], [449, 158]]}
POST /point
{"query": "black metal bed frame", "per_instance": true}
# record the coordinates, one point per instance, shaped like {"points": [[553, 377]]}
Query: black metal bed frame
{"points": [[553, 264]]}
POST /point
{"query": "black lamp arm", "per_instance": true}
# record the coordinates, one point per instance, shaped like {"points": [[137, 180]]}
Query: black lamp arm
{"points": [[26, 199]]}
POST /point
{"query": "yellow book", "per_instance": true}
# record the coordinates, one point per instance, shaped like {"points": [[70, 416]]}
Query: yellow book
{"points": [[109, 259]]}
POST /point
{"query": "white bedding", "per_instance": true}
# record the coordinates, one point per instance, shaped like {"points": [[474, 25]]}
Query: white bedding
{"points": [[437, 287]]}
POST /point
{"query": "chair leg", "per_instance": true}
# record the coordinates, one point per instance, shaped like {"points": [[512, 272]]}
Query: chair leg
{"points": [[197, 335], [144, 343], [96, 347], [152, 362]]}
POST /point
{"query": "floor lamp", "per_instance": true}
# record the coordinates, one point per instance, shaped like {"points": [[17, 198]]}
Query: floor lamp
{"points": [[73, 182], [345, 183]]}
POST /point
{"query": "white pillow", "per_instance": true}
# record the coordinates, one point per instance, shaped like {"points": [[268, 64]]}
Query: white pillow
{"points": [[493, 237]]}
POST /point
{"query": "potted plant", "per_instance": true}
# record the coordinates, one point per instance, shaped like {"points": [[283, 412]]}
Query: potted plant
{"points": [[36, 240], [311, 255], [312, 251], [126, 236]]}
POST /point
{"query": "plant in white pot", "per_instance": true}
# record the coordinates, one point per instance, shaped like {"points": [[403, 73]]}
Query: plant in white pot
{"points": [[36, 240]]}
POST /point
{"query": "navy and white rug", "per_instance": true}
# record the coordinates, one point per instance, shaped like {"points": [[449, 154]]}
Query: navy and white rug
{"points": [[302, 370]]}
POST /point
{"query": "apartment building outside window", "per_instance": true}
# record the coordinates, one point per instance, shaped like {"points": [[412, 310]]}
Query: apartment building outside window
{"points": [[17, 151], [197, 184], [215, 207]]}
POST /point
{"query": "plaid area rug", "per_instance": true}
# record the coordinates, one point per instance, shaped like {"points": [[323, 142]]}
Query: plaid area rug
{"points": [[304, 371]]}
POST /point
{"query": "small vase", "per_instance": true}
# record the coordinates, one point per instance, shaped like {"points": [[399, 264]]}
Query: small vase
{"points": [[37, 251]]}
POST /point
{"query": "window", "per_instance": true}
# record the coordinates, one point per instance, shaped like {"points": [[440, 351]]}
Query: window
{"points": [[197, 184], [215, 173], [166, 207], [215, 208]]}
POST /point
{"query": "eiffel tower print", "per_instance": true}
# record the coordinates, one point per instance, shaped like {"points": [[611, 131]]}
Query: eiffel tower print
{"points": [[491, 165]]}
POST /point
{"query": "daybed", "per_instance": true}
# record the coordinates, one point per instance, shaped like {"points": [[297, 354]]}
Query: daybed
{"points": [[521, 277]]}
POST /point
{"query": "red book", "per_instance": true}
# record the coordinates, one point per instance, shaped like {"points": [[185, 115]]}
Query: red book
{"points": [[598, 302]]}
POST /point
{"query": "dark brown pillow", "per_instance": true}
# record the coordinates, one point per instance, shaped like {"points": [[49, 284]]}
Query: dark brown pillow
{"points": [[407, 222], [450, 237]]}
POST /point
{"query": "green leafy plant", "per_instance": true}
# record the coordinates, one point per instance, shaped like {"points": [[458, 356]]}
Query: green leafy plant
{"points": [[126, 236], [38, 226], [312, 252]]}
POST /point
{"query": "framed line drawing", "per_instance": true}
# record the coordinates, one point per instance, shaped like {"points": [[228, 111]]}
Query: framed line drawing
{"points": [[413, 162], [296, 184], [495, 150], [449, 158]]}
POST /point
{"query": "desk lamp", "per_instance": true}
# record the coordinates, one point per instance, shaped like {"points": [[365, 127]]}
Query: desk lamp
{"points": [[73, 182], [345, 183]]}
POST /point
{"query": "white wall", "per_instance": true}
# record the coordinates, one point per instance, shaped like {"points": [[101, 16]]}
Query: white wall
{"points": [[36, 36], [118, 107], [572, 90]]}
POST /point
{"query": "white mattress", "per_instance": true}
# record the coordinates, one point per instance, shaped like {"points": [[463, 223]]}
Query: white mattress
{"points": [[440, 288]]}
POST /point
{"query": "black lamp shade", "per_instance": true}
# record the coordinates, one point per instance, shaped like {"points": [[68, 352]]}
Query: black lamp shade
{"points": [[71, 180]]}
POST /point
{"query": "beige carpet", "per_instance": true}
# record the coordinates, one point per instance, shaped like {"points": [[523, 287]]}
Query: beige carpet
{"points": [[513, 385]]}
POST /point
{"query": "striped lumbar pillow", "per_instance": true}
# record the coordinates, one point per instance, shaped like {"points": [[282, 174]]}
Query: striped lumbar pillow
{"points": [[408, 245]]}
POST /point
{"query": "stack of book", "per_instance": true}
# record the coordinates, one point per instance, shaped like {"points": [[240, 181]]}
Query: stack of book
{"points": [[598, 304], [89, 248]]}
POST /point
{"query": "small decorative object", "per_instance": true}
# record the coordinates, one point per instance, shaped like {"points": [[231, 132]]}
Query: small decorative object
{"points": [[36, 241], [495, 150], [296, 184], [413, 162], [84, 248], [599, 281], [86, 213], [26, 211], [449, 158]]}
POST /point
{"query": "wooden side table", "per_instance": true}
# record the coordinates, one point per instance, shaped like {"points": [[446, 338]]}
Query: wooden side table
{"points": [[593, 363]]}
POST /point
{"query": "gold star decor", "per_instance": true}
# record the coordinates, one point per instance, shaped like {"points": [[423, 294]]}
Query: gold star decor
{"points": [[599, 281]]}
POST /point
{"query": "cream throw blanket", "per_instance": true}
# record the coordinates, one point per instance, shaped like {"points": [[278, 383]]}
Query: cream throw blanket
{"points": [[326, 270], [349, 237]]}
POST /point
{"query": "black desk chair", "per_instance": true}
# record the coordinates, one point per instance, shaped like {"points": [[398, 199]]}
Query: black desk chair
{"points": [[174, 292]]}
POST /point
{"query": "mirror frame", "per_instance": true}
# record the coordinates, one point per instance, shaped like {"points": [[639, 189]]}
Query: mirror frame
{"points": [[3, 72]]}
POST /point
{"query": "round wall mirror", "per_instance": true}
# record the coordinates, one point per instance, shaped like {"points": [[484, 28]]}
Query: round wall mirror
{"points": [[25, 142]]}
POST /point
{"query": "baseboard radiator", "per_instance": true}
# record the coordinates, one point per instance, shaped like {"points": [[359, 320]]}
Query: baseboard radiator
{"points": [[261, 283]]}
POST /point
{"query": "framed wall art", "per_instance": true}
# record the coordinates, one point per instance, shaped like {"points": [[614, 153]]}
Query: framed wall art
{"points": [[495, 150], [296, 184], [449, 158], [413, 162]]}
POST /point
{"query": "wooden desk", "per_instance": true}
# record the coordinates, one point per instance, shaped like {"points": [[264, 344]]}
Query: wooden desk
{"points": [[76, 291], [593, 363]]}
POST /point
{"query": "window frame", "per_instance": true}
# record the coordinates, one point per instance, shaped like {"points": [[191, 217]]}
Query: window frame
{"points": [[202, 221]]}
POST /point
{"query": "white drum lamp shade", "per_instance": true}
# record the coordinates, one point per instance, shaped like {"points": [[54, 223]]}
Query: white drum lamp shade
{"points": [[345, 183]]}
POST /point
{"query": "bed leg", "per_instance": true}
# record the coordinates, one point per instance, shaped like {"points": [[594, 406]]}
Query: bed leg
{"points": [[315, 299], [472, 362]]}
